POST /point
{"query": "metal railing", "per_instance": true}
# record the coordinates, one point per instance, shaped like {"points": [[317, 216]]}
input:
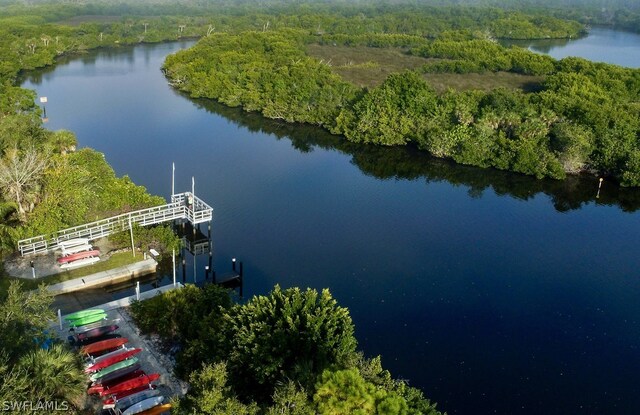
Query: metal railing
{"points": [[182, 206]]}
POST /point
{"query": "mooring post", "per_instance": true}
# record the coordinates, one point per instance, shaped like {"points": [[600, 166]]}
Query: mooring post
{"points": [[60, 318], [211, 261], [138, 290], [599, 186], [33, 270], [241, 279]]}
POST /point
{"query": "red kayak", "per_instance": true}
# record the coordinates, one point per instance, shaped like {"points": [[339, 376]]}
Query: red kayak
{"points": [[97, 332], [103, 345], [112, 359], [130, 384], [77, 256], [118, 396], [99, 387]]}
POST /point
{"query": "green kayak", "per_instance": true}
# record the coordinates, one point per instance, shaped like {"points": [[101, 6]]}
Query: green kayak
{"points": [[87, 319], [83, 313], [113, 368]]}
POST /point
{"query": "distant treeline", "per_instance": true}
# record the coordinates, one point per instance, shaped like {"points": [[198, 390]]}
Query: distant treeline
{"points": [[586, 117]]}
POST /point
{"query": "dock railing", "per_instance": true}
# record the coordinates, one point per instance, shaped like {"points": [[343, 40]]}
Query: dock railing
{"points": [[183, 206]]}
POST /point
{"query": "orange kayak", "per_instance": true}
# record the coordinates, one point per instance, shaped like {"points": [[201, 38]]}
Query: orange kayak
{"points": [[156, 410]]}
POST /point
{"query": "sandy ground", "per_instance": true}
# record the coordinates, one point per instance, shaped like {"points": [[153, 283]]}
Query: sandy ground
{"points": [[151, 358]]}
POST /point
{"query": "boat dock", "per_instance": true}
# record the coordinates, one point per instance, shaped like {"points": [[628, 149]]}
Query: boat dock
{"points": [[184, 206]]}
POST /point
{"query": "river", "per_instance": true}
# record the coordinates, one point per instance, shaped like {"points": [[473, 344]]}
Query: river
{"points": [[493, 292]]}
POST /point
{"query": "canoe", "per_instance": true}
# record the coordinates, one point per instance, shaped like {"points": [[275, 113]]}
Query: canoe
{"points": [[133, 399], [86, 327], [83, 321], [83, 313], [160, 409], [92, 360], [119, 357], [80, 262], [144, 405], [75, 249], [79, 255], [112, 368], [103, 345], [99, 387], [117, 375], [73, 242], [97, 332], [130, 384], [91, 340], [111, 400]]}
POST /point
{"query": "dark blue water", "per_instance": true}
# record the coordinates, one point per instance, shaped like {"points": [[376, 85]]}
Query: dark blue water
{"points": [[493, 292]]}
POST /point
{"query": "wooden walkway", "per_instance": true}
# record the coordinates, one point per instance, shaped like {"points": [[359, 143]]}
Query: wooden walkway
{"points": [[184, 206]]}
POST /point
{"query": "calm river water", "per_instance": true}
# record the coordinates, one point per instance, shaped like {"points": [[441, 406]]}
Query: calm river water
{"points": [[493, 292]]}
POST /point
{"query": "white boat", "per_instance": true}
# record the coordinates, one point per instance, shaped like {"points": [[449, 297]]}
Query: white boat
{"points": [[75, 249], [144, 405], [127, 402], [81, 262], [73, 242]]}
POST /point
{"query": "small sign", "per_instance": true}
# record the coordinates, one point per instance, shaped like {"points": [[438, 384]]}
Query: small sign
{"points": [[43, 100]]}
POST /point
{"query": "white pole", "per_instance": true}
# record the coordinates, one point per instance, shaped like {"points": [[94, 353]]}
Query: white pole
{"points": [[60, 318], [193, 187], [133, 248], [173, 259], [33, 272], [173, 180], [138, 290]]}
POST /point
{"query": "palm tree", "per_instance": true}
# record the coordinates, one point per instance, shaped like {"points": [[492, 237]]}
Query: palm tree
{"points": [[56, 374], [8, 223]]}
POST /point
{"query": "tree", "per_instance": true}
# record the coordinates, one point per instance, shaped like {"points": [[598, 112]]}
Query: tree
{"points": [[55, 374], [19, 177], [289, 335], [23, 317], [290, 398], [345, 392], [210, 394], [8, 223]]}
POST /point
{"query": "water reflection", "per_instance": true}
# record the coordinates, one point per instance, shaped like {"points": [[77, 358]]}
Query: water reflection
{"points": [[408, 163]]}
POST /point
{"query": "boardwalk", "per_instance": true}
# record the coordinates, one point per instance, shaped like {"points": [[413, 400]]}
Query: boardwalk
{"points": [[185, 206]]}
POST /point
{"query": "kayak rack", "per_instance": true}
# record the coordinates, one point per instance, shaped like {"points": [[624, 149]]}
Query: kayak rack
{"points": [[185, 206]]}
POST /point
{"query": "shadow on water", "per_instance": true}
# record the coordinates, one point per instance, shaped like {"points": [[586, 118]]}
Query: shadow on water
{"points": [[409, 163]]}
